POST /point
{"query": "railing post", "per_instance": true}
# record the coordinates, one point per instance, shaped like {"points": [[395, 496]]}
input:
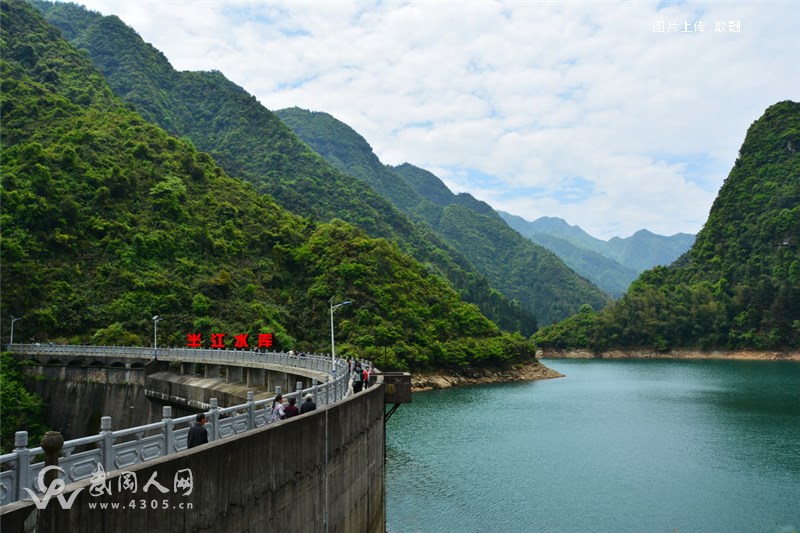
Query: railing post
{"points": [[52, 442], [214, 420], [169, 427], [299, 389], [108, 443], [251, 410], [23, 462]]}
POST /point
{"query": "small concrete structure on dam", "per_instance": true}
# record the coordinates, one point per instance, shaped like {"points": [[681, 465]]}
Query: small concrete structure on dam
{"points": [[320, 471]]}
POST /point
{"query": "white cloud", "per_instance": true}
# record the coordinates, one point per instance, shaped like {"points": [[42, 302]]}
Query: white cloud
{"points": [[547, 97]]}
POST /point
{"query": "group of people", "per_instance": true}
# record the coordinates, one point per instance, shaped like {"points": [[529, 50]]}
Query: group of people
{"points": [[198, 434], [360, 376], [281, 411]]}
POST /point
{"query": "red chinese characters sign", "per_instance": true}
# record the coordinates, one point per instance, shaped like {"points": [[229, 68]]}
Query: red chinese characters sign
{"points": [[242, 341]]}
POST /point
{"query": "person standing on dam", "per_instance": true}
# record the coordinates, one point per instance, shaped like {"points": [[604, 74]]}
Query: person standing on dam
{"points": [[197, 433], [358, 378]]}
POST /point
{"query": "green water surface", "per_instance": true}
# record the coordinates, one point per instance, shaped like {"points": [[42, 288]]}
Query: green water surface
{"points": [[616, 445]]}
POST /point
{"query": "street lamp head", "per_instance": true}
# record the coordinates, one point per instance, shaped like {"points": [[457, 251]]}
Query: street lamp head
{"points": [[337, 306], [155, 317]]}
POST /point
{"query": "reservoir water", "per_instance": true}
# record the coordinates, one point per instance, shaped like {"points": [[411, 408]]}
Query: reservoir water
{"points": [[616, 445]]}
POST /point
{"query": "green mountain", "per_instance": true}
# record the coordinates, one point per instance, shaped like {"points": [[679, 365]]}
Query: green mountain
{"points": [[603, 271], [739, 285], [611, 265], [518, 268], [251, 143], [640, 251], [644, 250], [434, 189], [108, 220]]}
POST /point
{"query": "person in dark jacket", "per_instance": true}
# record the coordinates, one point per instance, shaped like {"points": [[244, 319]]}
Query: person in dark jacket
{"points": [[291, 410], [308, 405], [197, 433], [358, 378]]}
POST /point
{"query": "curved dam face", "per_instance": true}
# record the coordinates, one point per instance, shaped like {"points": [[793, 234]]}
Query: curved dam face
{"points": [[79, 391], [79, 394], [321, 471]]}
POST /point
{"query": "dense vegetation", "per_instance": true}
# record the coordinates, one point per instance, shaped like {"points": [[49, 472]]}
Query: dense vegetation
{"points": [[252, 144], [108, 220], [739, 285], [22, 410], [521, 270]]}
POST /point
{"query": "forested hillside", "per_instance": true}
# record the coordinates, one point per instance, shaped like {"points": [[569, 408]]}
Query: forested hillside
{"points": [[521, 270], [252, 144], [739, 285], [108, 220]]}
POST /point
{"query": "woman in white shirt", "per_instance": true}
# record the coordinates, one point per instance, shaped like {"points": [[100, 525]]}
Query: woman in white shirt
{"points": [[277, 409]]}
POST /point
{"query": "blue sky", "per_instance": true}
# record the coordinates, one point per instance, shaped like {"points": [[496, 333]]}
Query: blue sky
{"points": [[581, 110]]}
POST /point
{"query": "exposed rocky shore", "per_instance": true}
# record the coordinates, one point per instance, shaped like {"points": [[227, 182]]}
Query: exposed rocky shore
{"points": [[750, 355], [421, 381]]}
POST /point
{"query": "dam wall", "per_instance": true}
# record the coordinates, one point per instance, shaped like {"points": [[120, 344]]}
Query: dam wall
{"points": [[321, 471]]}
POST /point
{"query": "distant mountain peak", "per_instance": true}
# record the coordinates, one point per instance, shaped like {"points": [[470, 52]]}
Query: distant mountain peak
{"points": [[642, 250]]}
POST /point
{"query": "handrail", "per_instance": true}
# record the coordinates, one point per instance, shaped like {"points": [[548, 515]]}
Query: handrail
{"points": [[123, 448]]}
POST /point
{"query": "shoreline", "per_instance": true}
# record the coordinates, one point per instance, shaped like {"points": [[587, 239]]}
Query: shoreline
{"points": [[535, 370], [738, 355]]}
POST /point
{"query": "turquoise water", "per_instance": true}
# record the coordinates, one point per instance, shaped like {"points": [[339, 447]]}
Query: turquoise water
{"points": [[622, 445]]}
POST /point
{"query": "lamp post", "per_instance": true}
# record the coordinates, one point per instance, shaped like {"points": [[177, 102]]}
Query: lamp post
{"points": [[13, 319], [333, 344], [156, 320]]}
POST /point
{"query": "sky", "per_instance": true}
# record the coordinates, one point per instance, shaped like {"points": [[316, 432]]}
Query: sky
{"points": [[615, 116]]}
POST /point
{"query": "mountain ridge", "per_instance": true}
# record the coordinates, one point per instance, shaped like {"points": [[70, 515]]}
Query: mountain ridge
{"points": [[612, 265], [252, 143], [522, 270], [108, 220]]}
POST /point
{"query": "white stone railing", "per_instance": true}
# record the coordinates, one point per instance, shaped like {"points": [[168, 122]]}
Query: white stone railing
{"points": [[120, 449]]}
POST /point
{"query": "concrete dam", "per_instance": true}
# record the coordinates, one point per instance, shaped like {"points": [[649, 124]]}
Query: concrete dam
{"points": [[321, 471]]}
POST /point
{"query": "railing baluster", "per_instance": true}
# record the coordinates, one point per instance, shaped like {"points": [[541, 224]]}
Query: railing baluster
{"points": [[23, 462], [251, 410], [108, 443], [169, 426], [214, 420]]}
